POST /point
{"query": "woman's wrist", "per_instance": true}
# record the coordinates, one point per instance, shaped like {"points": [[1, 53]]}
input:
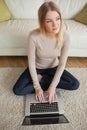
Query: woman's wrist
{"points": [[52, 87], [37, 87]]}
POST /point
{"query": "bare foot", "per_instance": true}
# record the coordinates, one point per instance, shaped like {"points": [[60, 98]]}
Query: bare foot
{"points": [[39, 77]]}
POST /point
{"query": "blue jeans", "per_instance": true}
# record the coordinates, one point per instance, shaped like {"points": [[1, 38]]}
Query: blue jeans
{"points": [[24, 84]]}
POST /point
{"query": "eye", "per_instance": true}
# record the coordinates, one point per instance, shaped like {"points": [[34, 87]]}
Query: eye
{"points": [[57, 19], [48, 21]]}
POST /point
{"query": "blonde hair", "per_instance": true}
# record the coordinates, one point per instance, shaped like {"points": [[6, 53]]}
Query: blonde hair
{"points": [[44, 8]]}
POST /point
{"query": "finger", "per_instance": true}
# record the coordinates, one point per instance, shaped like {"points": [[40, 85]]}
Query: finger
{"points": [[36, 97], [50, 99], [47, 97], [41, 98], [55, 95]]}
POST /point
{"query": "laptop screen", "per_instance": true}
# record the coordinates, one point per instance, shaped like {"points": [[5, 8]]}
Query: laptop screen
{"points": [[45, 120]]}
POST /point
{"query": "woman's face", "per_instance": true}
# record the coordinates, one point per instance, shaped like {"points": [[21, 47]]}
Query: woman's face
{"points": [[52, 23]]}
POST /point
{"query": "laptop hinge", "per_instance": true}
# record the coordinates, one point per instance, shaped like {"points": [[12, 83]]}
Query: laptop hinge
{"points": [[44, 115]]}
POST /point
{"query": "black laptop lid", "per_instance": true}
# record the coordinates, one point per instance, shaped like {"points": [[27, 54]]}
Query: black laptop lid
{"points": [[46, 119]]}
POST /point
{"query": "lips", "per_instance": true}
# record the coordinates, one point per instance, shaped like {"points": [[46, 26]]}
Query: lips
{"points": [[55, 29]]}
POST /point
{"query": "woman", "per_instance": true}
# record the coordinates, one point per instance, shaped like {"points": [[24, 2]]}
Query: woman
{"points": [[47, 56]]}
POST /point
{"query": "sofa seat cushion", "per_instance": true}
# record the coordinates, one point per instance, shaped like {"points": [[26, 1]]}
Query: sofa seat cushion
{"points": [[14, 33], [78, 34]]}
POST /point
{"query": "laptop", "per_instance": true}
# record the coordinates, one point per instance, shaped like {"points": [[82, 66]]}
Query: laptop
{"points": [[37, 113]]}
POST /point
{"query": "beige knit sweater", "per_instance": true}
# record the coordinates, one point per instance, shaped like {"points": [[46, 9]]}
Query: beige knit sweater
{"points": [[42, 54]]}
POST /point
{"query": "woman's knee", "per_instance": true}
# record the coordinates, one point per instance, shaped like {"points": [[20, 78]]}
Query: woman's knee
{"points": [[16, 91], [21, 91], [75, 85]]}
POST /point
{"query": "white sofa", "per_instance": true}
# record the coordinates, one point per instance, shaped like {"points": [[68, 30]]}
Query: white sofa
{"points": [[14, 33]]}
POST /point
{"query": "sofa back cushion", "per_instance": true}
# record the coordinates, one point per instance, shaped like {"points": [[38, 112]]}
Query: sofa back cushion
{"points": [[24, 8], [29, 8], [69, 8], [4, 12], [82, 16]]}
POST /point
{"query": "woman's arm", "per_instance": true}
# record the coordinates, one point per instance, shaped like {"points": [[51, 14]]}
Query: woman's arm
{"points": [[32, 69], [31, 61], [62, 60]]}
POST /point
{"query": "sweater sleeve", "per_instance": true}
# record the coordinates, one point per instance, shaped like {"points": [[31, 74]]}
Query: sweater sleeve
{"points": [[62, 60], [31, 61]]}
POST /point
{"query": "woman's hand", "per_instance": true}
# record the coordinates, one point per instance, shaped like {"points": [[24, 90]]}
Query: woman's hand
{"points": [[39, 94], [51, 93], [39, 91]]}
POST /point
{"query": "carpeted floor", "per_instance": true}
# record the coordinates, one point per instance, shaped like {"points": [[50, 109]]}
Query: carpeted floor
{"points": [[12, 107]]}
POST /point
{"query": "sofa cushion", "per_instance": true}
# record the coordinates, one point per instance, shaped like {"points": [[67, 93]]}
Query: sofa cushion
{"points": [[78, 34], [4, 12], [69, 8], [14, 36], [24, 8], [82, 16], [14, 33]]}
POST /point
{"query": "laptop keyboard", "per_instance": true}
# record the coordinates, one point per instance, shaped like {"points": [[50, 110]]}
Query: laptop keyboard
{"points": [[43, 107]]}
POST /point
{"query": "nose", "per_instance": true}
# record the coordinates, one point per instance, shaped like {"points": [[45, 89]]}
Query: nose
{"points": [[54, 24]]}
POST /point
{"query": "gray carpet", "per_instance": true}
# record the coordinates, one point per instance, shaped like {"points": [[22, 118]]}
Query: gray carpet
{"points": [[12, 106]]}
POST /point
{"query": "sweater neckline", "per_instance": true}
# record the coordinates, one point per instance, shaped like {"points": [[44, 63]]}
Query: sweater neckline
{"points": [[48, 37]]}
